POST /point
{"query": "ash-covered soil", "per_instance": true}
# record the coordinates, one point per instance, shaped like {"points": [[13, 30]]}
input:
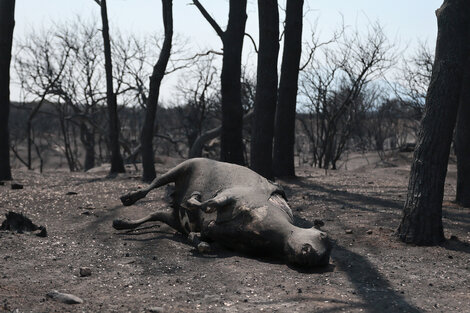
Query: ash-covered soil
{"points": [[155, 269]]}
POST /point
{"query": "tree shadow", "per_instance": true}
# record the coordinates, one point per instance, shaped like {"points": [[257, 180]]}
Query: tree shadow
{"points": [[345, 197], [374, 289]]}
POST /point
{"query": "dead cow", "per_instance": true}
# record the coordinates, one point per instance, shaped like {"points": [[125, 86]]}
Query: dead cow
{"points": [[235, 207]]}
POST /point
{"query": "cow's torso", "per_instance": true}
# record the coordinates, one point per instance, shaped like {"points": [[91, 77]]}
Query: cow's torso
{"points": [[210, 178]]}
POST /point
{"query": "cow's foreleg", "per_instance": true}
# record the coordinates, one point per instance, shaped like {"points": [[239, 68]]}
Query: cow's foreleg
{"points": [[159, 216]]}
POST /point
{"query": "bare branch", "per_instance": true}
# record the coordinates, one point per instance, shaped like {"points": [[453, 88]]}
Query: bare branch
{"points": [[209, 19], [252, 41]]}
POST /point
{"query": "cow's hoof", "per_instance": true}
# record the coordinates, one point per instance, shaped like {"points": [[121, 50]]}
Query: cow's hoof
{"points": [[203, 247], [120, 224], [127, 199]]}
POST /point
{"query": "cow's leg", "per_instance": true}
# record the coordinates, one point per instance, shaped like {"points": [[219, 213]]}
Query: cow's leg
{"points": [[210, 205], [201, 246], [164, 179], [159, 216]]}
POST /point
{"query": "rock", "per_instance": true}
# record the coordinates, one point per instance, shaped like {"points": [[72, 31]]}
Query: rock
{"points": [[369, 232], [19, 223], [85, 271], [64, 297], [348, 231], [155, 309], [16, 186]]}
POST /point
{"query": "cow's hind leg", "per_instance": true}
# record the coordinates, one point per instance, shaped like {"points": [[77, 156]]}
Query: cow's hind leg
{"points": [[168, 177], [159, 216]]}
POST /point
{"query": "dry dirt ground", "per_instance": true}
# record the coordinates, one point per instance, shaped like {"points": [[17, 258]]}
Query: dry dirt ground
{"points": [[154, 269]]}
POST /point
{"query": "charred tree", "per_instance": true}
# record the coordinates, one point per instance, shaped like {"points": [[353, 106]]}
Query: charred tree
{"points": [[422, 216], [266, 89], [117, 164], [462, 143], [284, 130], [231, 149], [148, 129], [7, 24]]}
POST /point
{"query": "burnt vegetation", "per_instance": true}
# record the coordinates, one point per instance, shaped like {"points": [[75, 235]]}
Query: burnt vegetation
{"points": [[90, 95]]}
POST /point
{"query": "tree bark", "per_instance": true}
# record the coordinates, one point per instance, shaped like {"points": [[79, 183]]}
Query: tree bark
{"points": [[87, 137], [462, 143], [266, 89], [284, 131], [231, 145], [7, 24], [117, 164], [422, 216], [148, 129]]}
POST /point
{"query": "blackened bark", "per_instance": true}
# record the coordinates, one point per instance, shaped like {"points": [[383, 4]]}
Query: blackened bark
{"points": [[462, 143], [87, 137], [266, 89], [231, 146], [7, 24], [284, 130], [422, 218], [117, 164], [148, 129]]}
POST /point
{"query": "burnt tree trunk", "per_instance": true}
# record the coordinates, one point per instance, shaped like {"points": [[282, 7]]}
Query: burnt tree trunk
{"points": [[422, 216], [117, 164], [266, 89], [284, 130], [7, 24], [231, 145], [462, 143], [231, 137], [87, 137], [148, 129]]}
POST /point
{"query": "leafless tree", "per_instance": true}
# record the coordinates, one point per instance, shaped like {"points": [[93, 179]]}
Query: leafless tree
{"points": [[284, 132], [333, 88], [232, 111], [266, 89], [422, 215], [117, 164], [7, 24]]}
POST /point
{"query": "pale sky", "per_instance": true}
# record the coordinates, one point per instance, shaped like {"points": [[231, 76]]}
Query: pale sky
{"points": [[407, 20]]}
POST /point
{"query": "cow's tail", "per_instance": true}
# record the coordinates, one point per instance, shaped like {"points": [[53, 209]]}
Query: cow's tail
{"points": [[169, 177]]}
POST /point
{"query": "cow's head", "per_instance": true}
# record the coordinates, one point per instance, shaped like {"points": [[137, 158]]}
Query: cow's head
{"points": [[307, 247]]}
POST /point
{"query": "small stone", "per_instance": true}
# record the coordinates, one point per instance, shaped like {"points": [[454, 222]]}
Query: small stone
{"points": [[348, 231], [85, 271], [64, 297], [453, 237], [16, 186], [450, 257], [71, 193], [128, 255], [299, 290], [155, 309], [369, 232]]}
